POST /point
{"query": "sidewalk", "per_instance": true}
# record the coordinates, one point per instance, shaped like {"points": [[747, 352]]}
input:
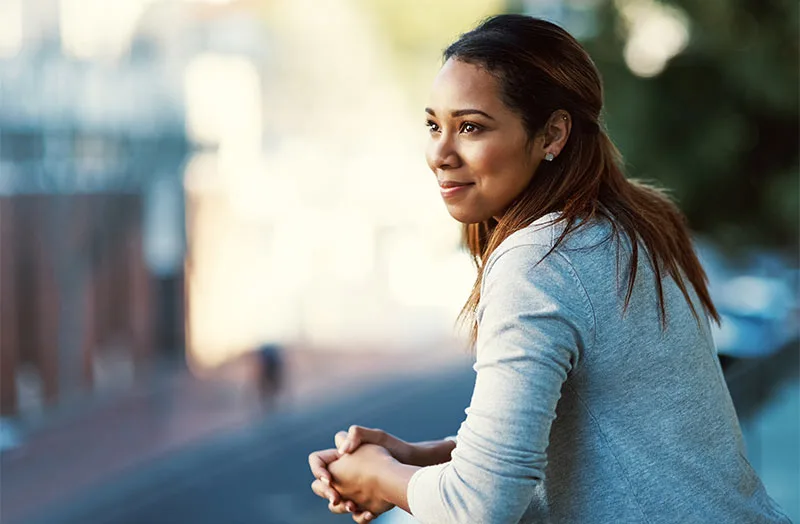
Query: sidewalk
{"points": [[174, 410]]}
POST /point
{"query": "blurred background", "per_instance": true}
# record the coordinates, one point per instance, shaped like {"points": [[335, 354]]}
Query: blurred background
{"points": [[220, 243]]}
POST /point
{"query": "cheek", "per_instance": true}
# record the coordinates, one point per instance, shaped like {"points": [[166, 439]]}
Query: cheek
{"points": [[501, 162], [494, 160]]}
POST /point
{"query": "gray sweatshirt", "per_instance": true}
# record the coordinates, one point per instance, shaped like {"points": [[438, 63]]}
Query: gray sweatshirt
{"points": [[585, 413]]}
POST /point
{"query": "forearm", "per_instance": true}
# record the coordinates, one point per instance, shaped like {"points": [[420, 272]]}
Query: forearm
{"points": [[391, 483], [430, 453]]}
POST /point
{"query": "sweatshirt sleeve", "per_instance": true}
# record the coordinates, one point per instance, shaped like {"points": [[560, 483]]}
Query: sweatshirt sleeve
{"points": [[534, 321]]}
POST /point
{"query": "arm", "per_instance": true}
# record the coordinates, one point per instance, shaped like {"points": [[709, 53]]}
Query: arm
{"points": [[426, 453], [391, 483], [391, 480], [391, 471], [535, 320], [430, 453]]}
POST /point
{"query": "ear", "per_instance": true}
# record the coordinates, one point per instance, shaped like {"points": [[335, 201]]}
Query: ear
{"points": [[556, 133]]}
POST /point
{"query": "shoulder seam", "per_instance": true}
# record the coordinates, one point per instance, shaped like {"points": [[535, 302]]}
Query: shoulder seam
{"points": [[578, 280], [500, 252], [573, 273]]}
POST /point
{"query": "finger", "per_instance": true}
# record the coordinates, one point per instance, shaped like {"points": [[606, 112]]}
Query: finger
{"points": [[326, 492], [352, 441], [349, 442], [363, 517], [318, 462], [351, 506], [339, 440], [337, 508], [358, 435], [322, 457]]}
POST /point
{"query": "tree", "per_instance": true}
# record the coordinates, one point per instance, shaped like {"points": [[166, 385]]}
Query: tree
{"points": [[719, 126]]}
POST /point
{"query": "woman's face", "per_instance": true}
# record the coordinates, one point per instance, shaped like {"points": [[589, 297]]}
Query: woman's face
{"points": [[478, 149]]}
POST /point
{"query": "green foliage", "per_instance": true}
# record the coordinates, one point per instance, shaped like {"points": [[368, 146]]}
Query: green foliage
{"points": [[719, 126]]}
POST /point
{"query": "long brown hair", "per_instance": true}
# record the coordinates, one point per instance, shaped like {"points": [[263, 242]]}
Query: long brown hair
{"points": [[541, 69]]}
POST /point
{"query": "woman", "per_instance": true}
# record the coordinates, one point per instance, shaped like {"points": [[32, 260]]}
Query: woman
{"points": [[598, 395]]}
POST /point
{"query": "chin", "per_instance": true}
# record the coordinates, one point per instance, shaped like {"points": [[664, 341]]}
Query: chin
{"points": [[467, 216]]}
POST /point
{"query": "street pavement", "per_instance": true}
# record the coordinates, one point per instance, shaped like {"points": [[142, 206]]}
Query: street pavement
{"points": [[259, 474]]}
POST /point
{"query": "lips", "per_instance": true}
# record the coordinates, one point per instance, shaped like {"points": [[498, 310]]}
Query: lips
{"points": [[449, 184], [452, 189]]}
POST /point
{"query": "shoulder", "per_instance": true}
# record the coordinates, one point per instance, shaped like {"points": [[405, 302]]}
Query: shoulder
{"points": [[539, 239], [532, 261], [528, 263], [541, 232], [526, 282]]}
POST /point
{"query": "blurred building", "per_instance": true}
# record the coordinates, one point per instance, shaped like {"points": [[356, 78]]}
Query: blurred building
{"points": [[180, 177], [92, 145]]}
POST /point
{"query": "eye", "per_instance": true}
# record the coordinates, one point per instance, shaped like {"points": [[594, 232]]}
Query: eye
{"points": [[432, 126], [469, 127]]}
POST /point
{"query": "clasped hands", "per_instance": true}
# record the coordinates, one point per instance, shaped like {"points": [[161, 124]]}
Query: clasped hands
{"points": [[348, 475]]}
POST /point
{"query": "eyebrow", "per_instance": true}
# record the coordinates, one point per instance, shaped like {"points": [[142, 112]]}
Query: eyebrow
{"points": [[460, 112]]}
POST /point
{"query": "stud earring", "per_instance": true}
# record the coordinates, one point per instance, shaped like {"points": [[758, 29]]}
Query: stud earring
{"points": [[549, 157]]}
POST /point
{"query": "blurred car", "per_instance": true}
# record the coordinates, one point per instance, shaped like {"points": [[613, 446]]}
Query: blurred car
{"points": [[757, 302]]}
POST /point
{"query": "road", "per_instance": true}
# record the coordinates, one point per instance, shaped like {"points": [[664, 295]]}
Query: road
{"points": [[260, 475]]}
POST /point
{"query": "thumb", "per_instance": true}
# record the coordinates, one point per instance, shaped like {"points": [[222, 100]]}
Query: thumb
{"points": [[358, 435], [361, 435], [340, 440]]}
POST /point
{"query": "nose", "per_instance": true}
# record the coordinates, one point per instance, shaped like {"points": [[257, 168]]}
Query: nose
{"points": [[441, 153]]}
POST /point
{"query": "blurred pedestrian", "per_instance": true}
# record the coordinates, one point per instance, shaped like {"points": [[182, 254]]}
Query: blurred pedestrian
{"points": [[270, 373], [598, 396]]}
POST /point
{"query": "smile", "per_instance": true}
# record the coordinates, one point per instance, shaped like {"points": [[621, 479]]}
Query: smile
{"points": [[452, 189]]}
